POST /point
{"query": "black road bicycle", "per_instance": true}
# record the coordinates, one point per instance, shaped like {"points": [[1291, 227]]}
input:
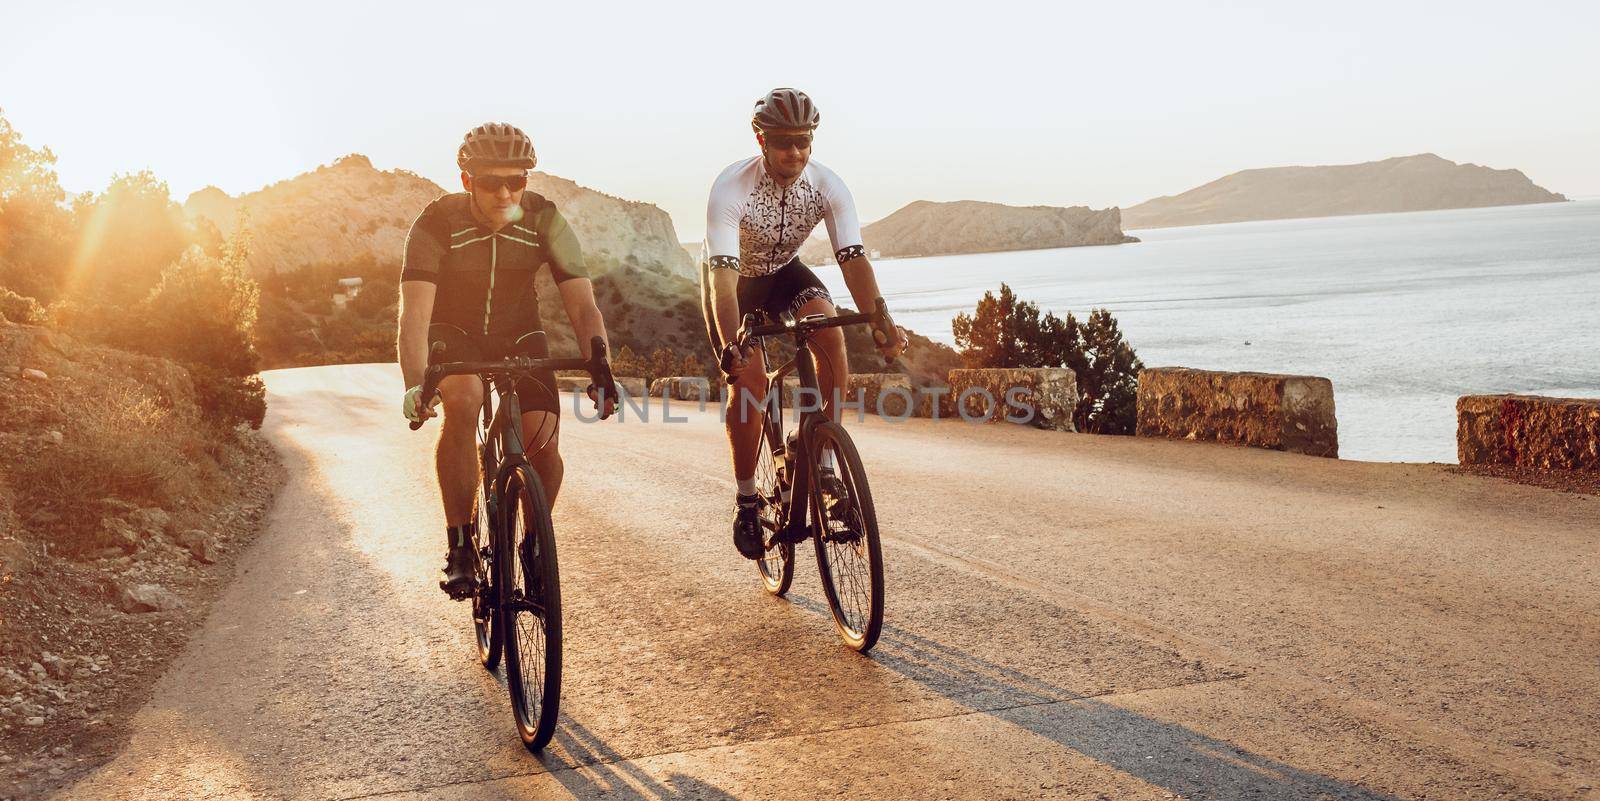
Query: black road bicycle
{"points": [[789, 477], [516, 602]]}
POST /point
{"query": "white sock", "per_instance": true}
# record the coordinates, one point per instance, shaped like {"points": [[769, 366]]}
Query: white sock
{"points": [[827, 459], [747, 486]]}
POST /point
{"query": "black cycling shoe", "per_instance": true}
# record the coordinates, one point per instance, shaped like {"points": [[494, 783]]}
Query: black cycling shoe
{"points": [[747, 530], [459, 565]]}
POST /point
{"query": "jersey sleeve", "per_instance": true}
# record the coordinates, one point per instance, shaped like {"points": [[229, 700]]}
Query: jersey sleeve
{"points": [[722, 224], [426, 244], [844, 228], [566, 257]]}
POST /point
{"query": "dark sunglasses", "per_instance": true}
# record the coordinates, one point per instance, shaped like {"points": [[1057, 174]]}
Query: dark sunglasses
{"points": [[492, 183], [786, 141]]}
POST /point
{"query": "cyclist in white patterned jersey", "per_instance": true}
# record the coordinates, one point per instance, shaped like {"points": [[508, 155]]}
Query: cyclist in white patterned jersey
{"points": [[760, 213]]}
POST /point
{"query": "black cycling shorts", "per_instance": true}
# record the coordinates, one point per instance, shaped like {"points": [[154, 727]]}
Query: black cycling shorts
{"points": [[782, 292], [536, 394]]}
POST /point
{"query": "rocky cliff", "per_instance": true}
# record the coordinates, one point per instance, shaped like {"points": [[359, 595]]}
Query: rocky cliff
{"points": [[1409, 183], [926, 228], [350, 211]]}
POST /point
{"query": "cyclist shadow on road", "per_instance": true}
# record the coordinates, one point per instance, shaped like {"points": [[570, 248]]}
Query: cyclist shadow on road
{"points": [[1165, 754], [601, 772]]}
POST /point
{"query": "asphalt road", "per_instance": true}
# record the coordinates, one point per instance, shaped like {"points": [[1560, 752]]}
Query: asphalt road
{"points": [[1068, 617]]}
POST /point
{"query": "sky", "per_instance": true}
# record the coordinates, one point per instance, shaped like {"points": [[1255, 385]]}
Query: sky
{"points": [[1060, 103]]}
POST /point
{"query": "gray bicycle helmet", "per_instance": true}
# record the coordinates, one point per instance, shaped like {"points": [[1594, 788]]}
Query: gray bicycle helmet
{"points": [[495, 144], [785, 108]]}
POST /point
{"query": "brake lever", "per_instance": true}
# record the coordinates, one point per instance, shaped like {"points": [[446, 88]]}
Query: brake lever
{"points": [[600, 376]]}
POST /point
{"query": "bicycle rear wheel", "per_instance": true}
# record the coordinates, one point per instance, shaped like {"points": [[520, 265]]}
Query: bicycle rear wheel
{"points": [[776, 564], [849, 555], [530, 608], [486, 630]]}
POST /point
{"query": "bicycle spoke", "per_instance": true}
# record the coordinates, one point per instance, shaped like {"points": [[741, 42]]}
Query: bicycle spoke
{"points": [[847, 545], [776, 564]]}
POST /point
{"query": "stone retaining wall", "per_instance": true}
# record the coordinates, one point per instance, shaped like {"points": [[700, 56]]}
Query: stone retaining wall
{"points": [[899, 398], [1528, 431], [1282, 412], [683, 388], [632, 386], [888, 394], [1040, 396]]}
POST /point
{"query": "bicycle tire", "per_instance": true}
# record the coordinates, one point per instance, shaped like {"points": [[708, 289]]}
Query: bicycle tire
{"points": [[487, 634], [530, 608], [849, 552], [776, 565], [486, 631]]}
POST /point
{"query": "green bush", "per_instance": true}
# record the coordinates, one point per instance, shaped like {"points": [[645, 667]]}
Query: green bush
{"points": [[127, 236], [229, 400], [21, 308], [1006, 332], [35, 229], [378, 300], [1108, 377], [93, 321], [203, 312]]}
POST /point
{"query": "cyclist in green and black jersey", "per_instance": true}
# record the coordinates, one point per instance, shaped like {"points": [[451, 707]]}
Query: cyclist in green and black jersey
{"points": [[467, 279]]}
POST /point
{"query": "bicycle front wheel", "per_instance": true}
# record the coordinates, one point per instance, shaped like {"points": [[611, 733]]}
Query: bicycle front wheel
{"points": [[845, 527], [530, 608]]}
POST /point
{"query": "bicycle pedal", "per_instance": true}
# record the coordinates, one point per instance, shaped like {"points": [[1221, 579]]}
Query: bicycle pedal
{"points": [[458, 592], [791, 535]]}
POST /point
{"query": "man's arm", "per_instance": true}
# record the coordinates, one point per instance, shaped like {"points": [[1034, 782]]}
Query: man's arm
{"points": [[723, 209], [844, 231], [725, 303], [419, 276], [863, 285], [577, 297], [862, 282], [416, 310]]}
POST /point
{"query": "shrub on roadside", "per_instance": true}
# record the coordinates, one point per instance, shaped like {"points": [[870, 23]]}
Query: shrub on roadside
{"points": [[35, 229], [203, 312], [21, 308], [230, 400], [1007, 332]]}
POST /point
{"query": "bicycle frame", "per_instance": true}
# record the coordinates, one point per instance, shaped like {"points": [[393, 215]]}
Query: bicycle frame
{"points": [[799, 480], [503, 428], [794, 526]]}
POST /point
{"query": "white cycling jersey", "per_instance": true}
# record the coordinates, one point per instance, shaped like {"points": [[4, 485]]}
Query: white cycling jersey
{"points": [[755, 226]]}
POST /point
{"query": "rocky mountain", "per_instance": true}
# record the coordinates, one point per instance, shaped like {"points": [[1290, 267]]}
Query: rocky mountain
{"points": [[350, 212], [926, 228], [1408, 183]]}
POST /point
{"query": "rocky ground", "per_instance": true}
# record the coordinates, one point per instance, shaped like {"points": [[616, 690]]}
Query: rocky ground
{"points": [[121, 514], [97, 632]]}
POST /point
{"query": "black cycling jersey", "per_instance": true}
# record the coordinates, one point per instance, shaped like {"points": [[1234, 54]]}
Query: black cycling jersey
{"points": [[485, 277]]}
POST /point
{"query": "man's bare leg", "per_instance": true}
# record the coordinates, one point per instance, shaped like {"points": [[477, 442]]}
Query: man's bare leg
{"points": [[456, 455], [544, 429], [746, 401], [456, 459]]}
